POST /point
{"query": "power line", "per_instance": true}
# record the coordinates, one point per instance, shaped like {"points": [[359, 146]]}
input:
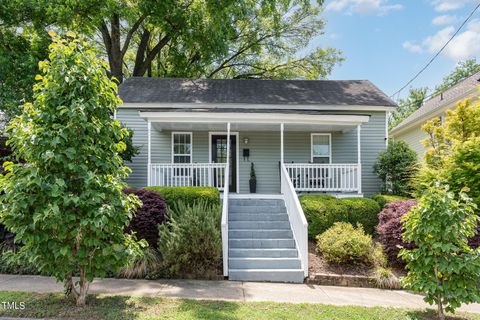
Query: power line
{"points": [[438, 53]]}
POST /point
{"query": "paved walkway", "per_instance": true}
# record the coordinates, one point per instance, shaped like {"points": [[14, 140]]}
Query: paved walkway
{"points": [[231, 291]]}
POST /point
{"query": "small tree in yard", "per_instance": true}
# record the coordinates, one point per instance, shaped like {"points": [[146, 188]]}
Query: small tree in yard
{"points": [[396, 166], [66, 204], [441, 265]]}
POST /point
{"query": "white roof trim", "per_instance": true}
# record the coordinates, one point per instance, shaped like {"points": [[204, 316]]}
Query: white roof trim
{"points": [[448, 105], [144, 105], [251, 118]]}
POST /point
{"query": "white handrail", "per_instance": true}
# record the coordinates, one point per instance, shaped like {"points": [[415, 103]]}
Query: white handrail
{"points": [[188, 174], [225, 221], [296, 216], [336, 177], [224, 225]]}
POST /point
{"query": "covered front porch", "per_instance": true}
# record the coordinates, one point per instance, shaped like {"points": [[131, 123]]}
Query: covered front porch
{"points": [[319, 152]]}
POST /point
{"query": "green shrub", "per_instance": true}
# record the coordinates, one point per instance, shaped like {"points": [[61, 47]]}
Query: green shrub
{"points": [[343, 243], [396, 167], [362, 210], [188, 195], [322, 211], [190, 242], [383, 199]]}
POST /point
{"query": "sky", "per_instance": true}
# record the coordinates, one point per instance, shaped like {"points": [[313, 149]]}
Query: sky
{"points": [[389, 41]]}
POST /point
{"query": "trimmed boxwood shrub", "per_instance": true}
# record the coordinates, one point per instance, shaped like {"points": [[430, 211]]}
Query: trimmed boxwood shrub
{"points": [[343, 243], [389, 228], [322, 211], [148, 216], [362, 210], [188, 195], [383, 199]]}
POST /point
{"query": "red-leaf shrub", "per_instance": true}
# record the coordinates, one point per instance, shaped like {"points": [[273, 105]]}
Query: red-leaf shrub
{"points": [[389, 228], [148, 217], [474, 242]]}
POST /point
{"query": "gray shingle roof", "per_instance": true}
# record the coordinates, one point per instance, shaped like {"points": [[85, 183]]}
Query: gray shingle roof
{"points": [[449, 96], [289, 92]]}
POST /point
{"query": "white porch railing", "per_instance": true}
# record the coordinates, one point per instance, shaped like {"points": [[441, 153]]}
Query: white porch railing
{"points": [[188, 174], [296, 217], [325, 177]]}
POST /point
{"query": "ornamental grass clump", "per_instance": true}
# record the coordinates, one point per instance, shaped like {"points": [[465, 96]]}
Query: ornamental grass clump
{"points": [[66, 204]]}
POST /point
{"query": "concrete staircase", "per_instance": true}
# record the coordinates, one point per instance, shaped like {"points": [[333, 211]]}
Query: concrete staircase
{"points": [[261, 243]]}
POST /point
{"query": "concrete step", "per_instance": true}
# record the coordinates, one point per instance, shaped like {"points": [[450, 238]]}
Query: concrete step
{"points": [[264, 263], [256, 209], [257, 217], [261, 243], [234, 225], [271, 275], [256, 202], [259, 234], [262, 253]]}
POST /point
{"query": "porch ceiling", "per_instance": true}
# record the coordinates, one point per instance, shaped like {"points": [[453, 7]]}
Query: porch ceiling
{"points": [[169, 126], [252, 121]]}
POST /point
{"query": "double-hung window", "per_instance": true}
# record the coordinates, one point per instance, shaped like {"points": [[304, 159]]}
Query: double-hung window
{"points": [[182, 147], [321, 148]]}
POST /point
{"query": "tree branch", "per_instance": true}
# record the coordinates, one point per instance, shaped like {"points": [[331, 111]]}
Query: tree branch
{"points": [[130, 33]]}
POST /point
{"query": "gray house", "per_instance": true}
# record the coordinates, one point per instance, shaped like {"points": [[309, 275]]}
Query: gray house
{"points": [[301, 136]]}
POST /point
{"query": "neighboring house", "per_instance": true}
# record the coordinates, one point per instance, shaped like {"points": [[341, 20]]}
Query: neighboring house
{"points": [[301, 136], [410, 129]]}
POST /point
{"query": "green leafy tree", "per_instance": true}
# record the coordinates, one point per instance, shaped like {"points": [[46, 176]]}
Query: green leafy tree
{"points": [[453, 150], [407, 106], [66, 204], [442, 266], [396, 166], [20, 51], [191, 38], [462, 71]]}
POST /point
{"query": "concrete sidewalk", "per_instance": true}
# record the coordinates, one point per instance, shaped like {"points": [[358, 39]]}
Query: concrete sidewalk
{"points": [[232, 291]]}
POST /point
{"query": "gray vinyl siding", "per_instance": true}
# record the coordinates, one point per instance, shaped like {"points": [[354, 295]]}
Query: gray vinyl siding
{"points": [[264, 151]]}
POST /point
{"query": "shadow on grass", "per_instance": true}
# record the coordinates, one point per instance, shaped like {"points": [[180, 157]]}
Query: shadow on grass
{"points": [[202, 309], [430, 314]]}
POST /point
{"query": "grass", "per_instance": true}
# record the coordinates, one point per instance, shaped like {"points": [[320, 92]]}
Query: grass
{"points": [[54, 305]]}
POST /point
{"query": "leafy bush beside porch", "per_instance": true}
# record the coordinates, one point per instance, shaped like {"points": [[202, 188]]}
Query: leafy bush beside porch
{"points": [[322, 211], [188, 195]]}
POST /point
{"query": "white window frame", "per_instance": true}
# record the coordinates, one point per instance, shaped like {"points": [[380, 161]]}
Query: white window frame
{"points": [[173, 146], [329, 135]]}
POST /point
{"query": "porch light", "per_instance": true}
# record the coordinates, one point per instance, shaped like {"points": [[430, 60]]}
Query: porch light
{"points": [[245, 140]]}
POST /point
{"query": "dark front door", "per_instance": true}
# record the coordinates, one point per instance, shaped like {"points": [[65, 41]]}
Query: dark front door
{"points": [[219, 155]]}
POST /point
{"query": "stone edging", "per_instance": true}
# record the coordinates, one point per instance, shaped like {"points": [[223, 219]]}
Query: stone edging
{"points": [[343, 280]]}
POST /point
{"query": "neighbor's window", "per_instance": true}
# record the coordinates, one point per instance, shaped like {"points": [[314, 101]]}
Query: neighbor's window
{"points": [[321, 148], [182, 147]]}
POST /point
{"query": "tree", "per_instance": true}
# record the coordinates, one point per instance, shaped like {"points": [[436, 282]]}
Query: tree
{"points": [[407, 106], [66, 204], [462, 71], [396, 166], [441, 265], [191, 38], [20, 51], [453, 149]]}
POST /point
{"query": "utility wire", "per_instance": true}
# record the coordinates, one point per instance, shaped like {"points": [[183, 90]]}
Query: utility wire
{"points": [[438, 53]]}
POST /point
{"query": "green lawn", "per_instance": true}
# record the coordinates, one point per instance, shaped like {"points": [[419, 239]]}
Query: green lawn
{"points": [[48, 305]]}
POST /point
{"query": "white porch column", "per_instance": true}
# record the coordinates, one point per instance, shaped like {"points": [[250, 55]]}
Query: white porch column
{"points": [[227, 179], [359, 159], [149, 153], [282, 127]]}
